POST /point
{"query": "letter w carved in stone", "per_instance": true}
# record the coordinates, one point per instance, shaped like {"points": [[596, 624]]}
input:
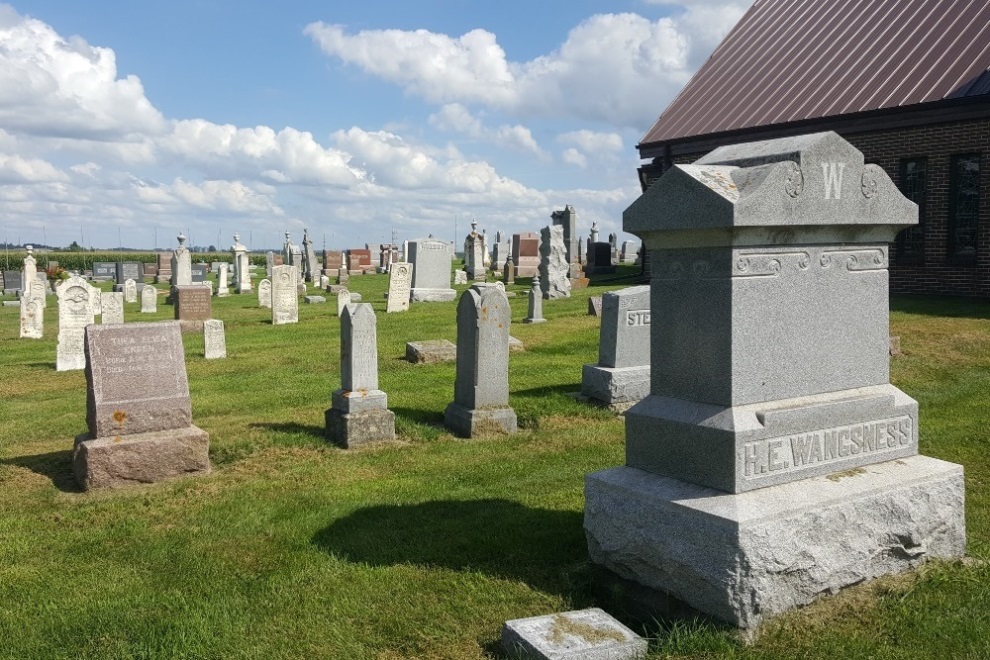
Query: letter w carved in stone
{"points": [[832, 173]]}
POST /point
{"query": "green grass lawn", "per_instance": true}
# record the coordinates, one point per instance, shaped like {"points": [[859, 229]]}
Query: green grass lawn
{"points": [[421, 548]]}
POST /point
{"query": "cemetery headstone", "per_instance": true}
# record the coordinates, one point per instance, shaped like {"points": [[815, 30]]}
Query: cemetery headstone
{"points": [[343, 300], [481, 387], [501, 251], [622, 375], [629, 249], [214, 339], [130, 291], [164, 268], [343, 277], [460, 277], [242, 272], [794, 421], [285, 299], [474, 254], [193, 305], [430, 259], [567, 221], [112, 304], [399, 287], [359, 411], [430, 351], [333, 262], [136, 434], [554, 269], [526, 253], [77, 302], [265, 293], [150, 270], [324, 281], [223, 290], [269, 263], [589, 634], [600, 260], [149, 300], [535, 306], [32, 307], [104, 270], [129, 270], [314, 300], [311, 267], [595, 306], [181, 266], [509, 272]]}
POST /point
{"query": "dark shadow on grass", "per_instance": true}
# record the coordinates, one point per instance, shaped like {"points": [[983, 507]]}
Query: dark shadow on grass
{"points": [[56, 465], [948, 306], [499, 538], [292, 427], [540, 392], [420, 416]]}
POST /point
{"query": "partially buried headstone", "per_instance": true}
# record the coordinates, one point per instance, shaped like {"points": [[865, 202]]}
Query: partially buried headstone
{"points": [[554, 269], [265, 293], [481, 388], [137, 434], [130, 291], [214, 339], [77, 302], [149, 300], [622, 375], [589, 634], [770, 383], [285, 300], [399, 285], [431, 270], [359, 412], [112, 305]]}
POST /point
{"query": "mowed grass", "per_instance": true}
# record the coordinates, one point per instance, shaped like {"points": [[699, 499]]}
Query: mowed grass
{"points": [[418, 549]]}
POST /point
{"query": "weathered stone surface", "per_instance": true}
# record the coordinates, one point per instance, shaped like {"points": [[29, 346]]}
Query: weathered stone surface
{"points": [[431, 270], [509, 272], [285, 302], [431, 350], [786, 544], [526, 253], [554, 268], [181, 265], [223, 290], [399, 287], [895, 346], [112, 305], [595, 306], [475, 422], [629, 251], [348, 430], [130, 291], [460, 277], [32, 303], [474, 254], [589, 634], [535, 313], [115, 462], [611, 385], [77, 302], [343, 300], [242, 273], [192, 303], [600, 259], [149, 300], [567, 221], [625, 329], [265, 293], [214, 339], [314, 300], [516, 346]]}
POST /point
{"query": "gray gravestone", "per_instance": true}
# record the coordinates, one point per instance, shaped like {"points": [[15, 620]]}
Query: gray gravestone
{"points": [[223, 290], [509, 272], [311, 267], [285, 300], [242, 270], [431, 350], [474, 254], [770, 383], [314, 300], [595, 306], [130, 291], [535, 313], [399, 286], [112, 304], [343, 300], [265, 293], [104, 270], [32, 307], [589, 634], [629, 250], [77, 303], [135, 437], [198, 274], [622, 375], [359, 412], [214, 339], [554, 269], [460, 277], [181, 264], [600, 259], [481, 388], [149, 300], [269, 263], [567, 221], [431, 270], [129, 270]]}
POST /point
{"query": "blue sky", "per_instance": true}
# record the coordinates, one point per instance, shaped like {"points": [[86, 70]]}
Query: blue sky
{"points": [[350, 119]]}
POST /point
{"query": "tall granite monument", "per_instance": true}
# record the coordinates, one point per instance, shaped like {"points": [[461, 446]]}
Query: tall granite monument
{"points": [[773, 461]]}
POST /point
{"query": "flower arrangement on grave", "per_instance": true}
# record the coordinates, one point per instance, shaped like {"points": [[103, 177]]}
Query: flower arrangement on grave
{"points": [[56, 274]]}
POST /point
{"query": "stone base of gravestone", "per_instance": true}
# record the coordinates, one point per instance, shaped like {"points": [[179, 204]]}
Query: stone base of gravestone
{"points": [[357, 418], [432, 295], [432, 350], [187, 327], [580, 283], [615, 385], [474, 422], [746, 557], [589, 634], [314, 300], [118, 461]]}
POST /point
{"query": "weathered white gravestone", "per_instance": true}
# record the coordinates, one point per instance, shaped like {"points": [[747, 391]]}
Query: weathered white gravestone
{"points": [[223, 290], [431, 270], [343, 300], [77, 301], [535, 314], [130, 291], [242, 274], [554, 269], [481, 388], [265, 293], [474, 254], [589, 634], [399, 286], [149, 299], [359, 412], [214, 339], [32, 304], [113, 308], [181, 264], [137, 434], [622, 374], [773, 461], [285, 300]]}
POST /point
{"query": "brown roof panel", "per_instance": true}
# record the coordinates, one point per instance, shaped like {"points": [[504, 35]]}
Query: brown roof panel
{"points": [[791, 60]]}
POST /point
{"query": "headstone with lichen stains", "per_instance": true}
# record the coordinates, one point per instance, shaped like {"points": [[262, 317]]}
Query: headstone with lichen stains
{"points": [[589, 634]]}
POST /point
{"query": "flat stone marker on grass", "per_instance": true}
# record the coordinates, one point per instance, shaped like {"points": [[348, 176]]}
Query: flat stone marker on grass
{"points": [[622, 374], [399, 286], [149, 300], [359, 413], [773, 461], [589, 634], [265, 293], [137, 435], [112, 305], [214, 339], [481, 388], [285, 301], [314, 300], [431, 350]]}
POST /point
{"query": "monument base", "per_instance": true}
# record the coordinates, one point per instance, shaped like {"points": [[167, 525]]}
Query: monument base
{"points": [[745, 557], [615, 385], [473, 422], [347, 430], [532, 320], [432, 295], [117, 461]]}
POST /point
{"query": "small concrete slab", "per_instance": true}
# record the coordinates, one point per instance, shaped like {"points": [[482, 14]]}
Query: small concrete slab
{"points": [[431, 350], [590, 634], [314, 300]]}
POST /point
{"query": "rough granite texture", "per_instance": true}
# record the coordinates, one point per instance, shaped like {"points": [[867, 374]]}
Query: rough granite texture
{"points": [[475, 422], [611, 386], [589, 634], [350, 429], [743, 558], [624, 339], [115, 462], [554, 268], [431, 350]]}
